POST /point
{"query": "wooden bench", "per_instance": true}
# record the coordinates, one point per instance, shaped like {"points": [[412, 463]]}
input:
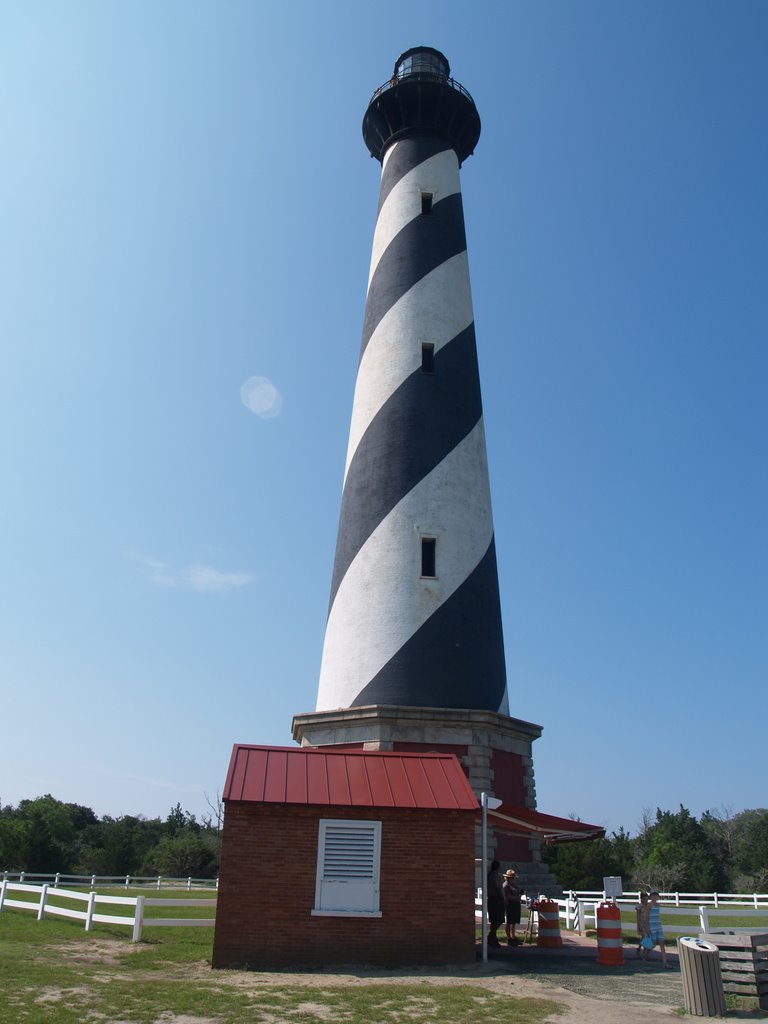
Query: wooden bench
{"points": [[743, 963]]}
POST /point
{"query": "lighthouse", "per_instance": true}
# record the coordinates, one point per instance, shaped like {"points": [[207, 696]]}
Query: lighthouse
{"points": [[413, 657], [414, 615]]}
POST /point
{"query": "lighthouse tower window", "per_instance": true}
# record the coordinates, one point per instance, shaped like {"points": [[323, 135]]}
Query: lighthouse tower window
{"points": [[427, 357], [428, 549], [426, 203]]}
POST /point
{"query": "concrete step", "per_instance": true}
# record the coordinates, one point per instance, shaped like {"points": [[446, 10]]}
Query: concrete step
{"points": [[539, 883]]}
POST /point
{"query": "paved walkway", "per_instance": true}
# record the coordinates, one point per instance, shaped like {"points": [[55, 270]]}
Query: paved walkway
{"points": [[573, 945], [574, 966]]}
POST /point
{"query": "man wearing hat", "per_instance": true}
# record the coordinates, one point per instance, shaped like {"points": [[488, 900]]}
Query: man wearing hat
{"points": [[512, 905]]}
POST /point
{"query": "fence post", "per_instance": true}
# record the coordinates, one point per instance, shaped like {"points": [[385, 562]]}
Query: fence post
{"points": [[89, 910], [677, 899], [3, 891], [581, 911], [138, 920], [158, 883], [43, 897], [756, 906], [704, 919], [127, 881], [21, 877], [189, 884]]}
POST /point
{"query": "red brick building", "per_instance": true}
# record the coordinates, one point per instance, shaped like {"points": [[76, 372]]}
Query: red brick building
{"points": [[345, 857]]}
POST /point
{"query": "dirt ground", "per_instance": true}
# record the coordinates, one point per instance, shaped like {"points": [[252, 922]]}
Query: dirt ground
{"points": [[589, 994], [637, 993], [579, 1008]]}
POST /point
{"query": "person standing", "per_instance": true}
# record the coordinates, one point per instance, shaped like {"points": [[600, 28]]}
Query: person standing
{"points": [[655, 928], [643, 926], [495, 893], [512, 905]]}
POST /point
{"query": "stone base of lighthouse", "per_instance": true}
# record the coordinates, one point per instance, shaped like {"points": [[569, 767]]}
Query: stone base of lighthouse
{"points": [[495, 750]]}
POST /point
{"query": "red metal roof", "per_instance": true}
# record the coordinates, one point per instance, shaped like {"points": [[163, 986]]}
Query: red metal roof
{"points": [[348, 778], [511, 820]]}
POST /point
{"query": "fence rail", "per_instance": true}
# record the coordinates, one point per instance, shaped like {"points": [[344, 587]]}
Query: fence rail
{"points": [[61, 880], [583, 915], [90, 915], [756, 900], [578, 911]]}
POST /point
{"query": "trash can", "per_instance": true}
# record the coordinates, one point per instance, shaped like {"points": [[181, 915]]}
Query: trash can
{"points": [[702, 981]]}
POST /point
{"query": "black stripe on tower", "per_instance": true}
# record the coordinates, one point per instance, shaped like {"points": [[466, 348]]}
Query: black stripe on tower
{"points": [[427, 671], [422, 422]]}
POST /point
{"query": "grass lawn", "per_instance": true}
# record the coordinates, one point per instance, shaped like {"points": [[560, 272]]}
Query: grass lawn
{"points": [[53, 972]]}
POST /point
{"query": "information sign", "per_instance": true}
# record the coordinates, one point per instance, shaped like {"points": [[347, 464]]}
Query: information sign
{"points": [[613, 887]]}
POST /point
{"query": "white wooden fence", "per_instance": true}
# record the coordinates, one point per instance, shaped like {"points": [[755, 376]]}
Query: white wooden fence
{"points": [[578, 911], [90, 915], [682, 899], [113, 881]]}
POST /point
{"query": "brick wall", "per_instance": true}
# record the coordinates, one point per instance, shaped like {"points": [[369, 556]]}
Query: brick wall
{"points": [[267, 890], [509, 786]]}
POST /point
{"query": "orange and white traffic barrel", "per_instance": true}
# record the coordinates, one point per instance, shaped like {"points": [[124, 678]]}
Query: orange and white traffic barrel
{"points": [[610, 948], [549, 923]]}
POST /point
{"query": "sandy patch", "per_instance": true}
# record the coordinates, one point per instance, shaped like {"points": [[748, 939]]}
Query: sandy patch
{"points": [[170, 1018], [97, 951], [319, 1010], [56, 995]]}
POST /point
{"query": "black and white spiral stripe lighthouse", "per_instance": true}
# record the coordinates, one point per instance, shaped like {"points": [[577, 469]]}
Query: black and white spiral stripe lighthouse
{"points": [[414, 616]]}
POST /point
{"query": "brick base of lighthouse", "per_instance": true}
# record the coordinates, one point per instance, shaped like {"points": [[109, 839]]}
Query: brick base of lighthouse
{"points": [[494, 749]]}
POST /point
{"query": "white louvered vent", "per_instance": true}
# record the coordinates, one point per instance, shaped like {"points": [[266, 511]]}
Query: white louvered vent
{"points": [[348, 852], [348, 858]]}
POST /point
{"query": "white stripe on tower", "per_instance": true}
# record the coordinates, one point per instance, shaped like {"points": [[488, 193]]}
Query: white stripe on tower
{"points": [[402, 630]]}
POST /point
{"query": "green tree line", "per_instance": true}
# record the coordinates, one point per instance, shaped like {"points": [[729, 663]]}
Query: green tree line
{"points": [[673, 851], [45, 835]]}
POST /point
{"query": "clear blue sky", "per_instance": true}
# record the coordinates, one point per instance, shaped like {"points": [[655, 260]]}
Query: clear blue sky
{"points": [[186, 203]]}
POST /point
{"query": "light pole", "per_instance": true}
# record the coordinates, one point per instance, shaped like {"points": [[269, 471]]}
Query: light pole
{"points": [[485, 802]]}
